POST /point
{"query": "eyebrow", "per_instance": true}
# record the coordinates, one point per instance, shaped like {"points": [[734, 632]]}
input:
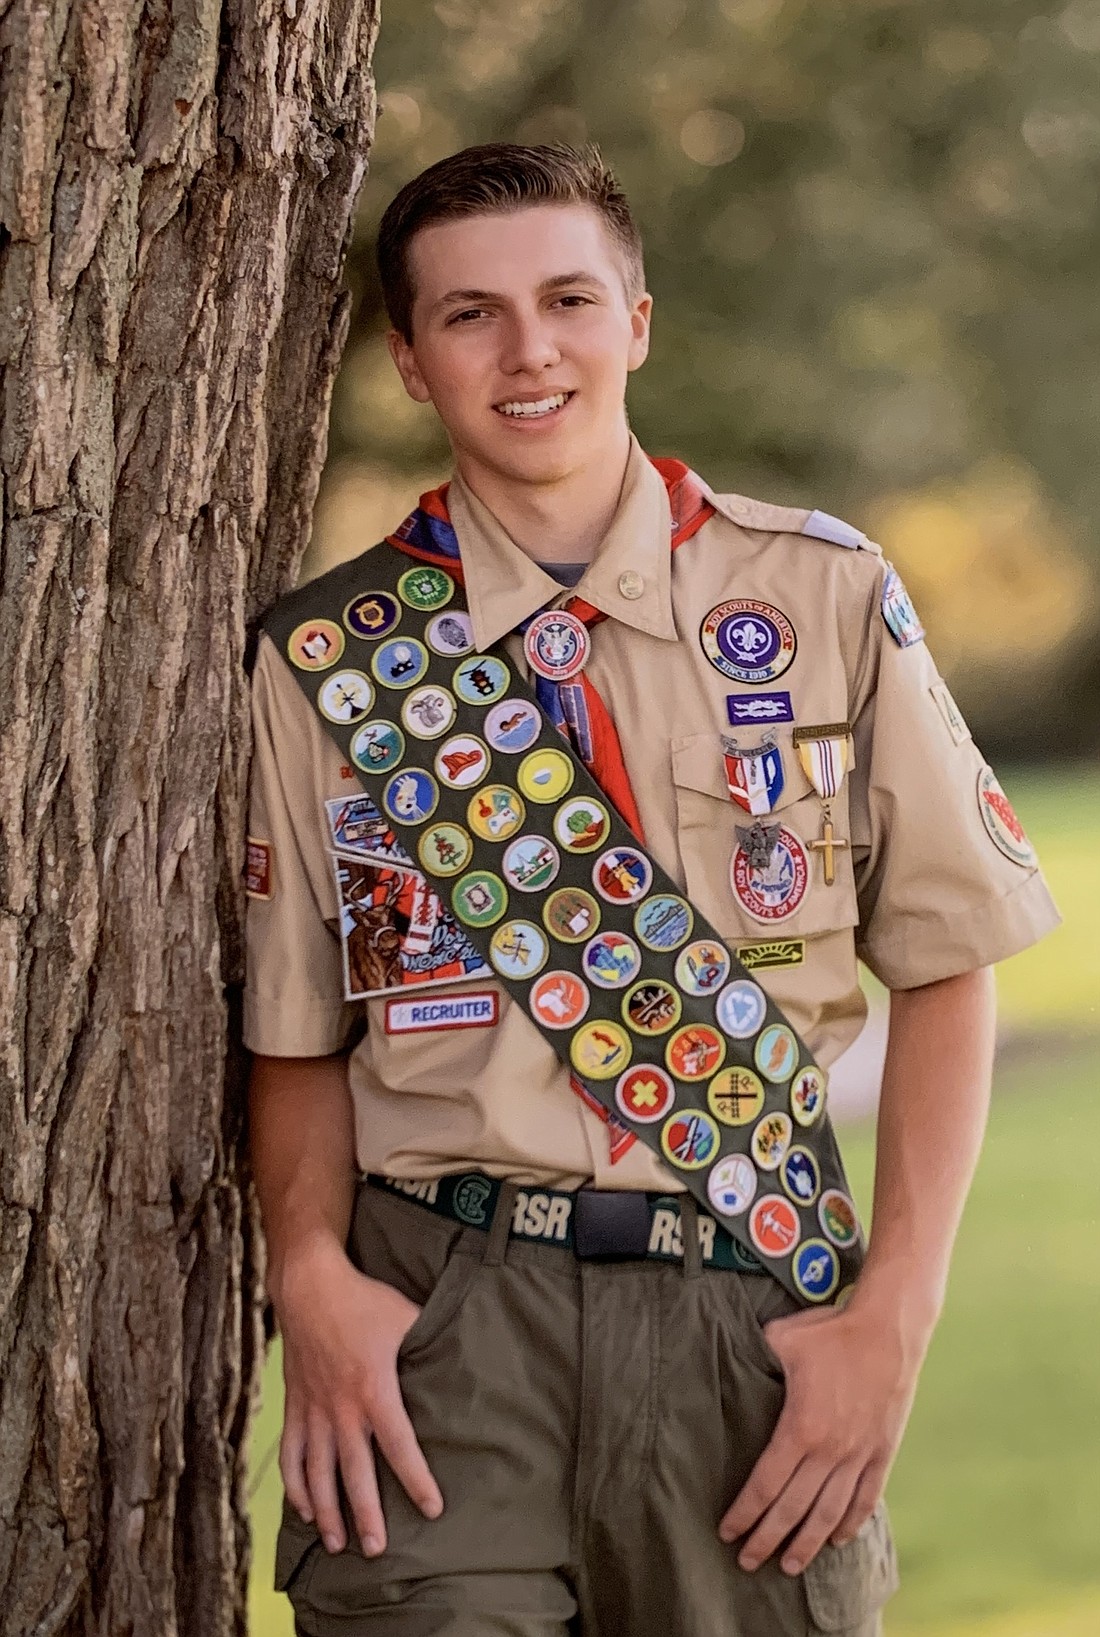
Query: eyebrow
{"points": [[558, 282]]}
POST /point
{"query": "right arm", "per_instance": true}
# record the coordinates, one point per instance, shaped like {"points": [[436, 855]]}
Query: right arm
{"points": [[341, 1331]]}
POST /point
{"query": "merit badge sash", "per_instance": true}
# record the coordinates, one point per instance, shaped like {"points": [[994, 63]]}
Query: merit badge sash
{"points": [[657, 1023], [824, 754]]}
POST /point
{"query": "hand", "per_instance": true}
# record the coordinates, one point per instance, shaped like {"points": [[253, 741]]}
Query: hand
{"points": [[341, 1332], [851, 1376]]}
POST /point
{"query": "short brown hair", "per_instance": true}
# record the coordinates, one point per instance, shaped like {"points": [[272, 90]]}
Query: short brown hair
{"points": [[492, 179]]}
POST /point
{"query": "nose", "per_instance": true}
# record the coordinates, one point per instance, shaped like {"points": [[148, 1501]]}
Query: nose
{"points": [[529, 345]]}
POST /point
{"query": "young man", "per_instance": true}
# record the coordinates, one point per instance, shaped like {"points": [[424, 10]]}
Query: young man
{"points": [[533, 1384]]}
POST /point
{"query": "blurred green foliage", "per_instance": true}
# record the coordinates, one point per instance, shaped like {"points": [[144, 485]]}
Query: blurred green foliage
{"points": [[873, 237]]}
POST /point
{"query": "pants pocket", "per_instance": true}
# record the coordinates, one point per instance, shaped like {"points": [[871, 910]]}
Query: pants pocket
{"points": [[846, 1586], [441, 1304], [295, 1541]]}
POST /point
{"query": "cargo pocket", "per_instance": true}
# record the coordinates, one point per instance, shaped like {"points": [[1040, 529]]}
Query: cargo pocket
{"points": [[707, 822], [846, 1586]]}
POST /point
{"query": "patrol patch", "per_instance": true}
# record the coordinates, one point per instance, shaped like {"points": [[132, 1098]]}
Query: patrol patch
{"points": [[664, 921], [747, 640], [377, 746], [773, 890], [735, 1096], [428, 712], [651, 1007], [778, 953], [545, 775], [451, 635], [557, 645], [611, 960], [476, 1009], [622, 875], [776, 1054], [732, 1185], [558, 1000], [513, 725], [518, 949], [898, 611], [702, 967], [644, 1093], [461, 761], [773, 1225], [346, 697], [600, 1049], [530, 863], [752, 709], [401, 663], [482, 680], [741, 1008], [571, 914], [695, 1052], [372, 614], [1003, 827], [315, 645], [689, 1139], [816, 1270], [581, 825], [259, 868]]}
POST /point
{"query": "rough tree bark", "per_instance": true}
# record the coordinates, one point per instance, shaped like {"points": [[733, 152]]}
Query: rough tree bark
{"points": [[177, 183]]}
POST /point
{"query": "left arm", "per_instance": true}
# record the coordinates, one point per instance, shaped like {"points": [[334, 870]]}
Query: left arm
{"points": [[852, 1374]]}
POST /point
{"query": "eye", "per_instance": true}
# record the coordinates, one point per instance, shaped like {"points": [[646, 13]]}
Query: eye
{"points": [[575, 301], [466, 315]]}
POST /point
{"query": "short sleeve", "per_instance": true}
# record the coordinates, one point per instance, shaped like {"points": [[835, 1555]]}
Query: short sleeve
{"points": [[947, 879], [294, 988]]}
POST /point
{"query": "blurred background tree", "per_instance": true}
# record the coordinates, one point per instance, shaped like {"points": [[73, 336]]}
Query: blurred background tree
{"points": [[873, 238]]}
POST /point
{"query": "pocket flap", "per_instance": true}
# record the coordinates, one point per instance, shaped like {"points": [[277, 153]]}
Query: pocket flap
{"points": [[845, 1585]]}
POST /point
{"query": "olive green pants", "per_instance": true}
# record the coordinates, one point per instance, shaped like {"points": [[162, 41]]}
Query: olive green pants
{"points": [[588, 1424]]}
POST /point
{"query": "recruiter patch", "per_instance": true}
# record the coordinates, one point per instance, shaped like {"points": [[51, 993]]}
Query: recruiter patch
{"points": [[747, 640], [474, 1009]]}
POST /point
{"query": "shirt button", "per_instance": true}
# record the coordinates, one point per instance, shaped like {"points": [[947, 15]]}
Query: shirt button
{"points": [[631, 584]]}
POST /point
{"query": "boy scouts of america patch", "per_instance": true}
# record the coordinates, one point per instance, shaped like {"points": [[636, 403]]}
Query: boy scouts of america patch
{"points": [[1005, 830], [747, 640], [898, 611]]}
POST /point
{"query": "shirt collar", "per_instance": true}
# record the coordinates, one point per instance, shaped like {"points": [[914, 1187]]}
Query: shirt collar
{"points": [[504, 586]]}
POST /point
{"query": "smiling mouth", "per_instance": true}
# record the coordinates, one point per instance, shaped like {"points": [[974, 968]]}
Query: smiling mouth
{"points": [[517, 409]]}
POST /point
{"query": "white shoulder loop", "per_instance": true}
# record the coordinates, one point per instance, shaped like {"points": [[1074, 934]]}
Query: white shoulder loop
{"points": [[821, 526]]}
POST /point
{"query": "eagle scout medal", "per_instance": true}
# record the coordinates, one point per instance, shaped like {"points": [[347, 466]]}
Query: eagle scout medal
{"points": [[773, 1225], [816, 1270], [897, 610], [377, 746], [754, 777], [622, 875], [823, 752], [450, 635], [769, 872], [732, 1185], [748, 641], [513, 725], [530, 863], [702, 967], [428, 712], [518, 949], [346, 697], [461, 761], [776, 1053], [372, 614], [557, 645], [735, 1096], [545, 775], [644, 1093], [315, 645], [425, 588], [741, 1008], [689, 1139], [651, 1007], [445, 849], [600, 1049], [611, 960], [1002, 826], [558, 1000]]}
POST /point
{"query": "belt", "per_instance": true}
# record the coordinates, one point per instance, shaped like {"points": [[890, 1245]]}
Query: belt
{"points": [[596, 1224]]}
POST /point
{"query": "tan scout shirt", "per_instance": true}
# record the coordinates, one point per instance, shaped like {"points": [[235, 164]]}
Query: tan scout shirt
{"points": [[922, 892]]}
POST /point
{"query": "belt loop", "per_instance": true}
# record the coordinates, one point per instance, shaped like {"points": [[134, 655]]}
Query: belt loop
{"points": [[501, 1225], [689, 1236]]}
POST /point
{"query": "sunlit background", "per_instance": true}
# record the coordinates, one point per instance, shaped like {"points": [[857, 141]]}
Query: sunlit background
{"points": [[873, 238]]}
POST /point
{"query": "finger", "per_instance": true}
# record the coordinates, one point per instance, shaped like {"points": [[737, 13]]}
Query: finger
{"points": [[361, 1486], [394, 1435], [868, 1493], [823, 1517], [292, 1464], [321, 1473], [772, 1472], [785, 1513]]}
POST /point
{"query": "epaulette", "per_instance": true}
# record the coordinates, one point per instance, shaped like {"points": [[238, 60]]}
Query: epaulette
{"points": [[759, 514]]}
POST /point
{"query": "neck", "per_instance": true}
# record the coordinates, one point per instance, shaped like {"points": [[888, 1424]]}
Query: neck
{"points": [[562, 521]]}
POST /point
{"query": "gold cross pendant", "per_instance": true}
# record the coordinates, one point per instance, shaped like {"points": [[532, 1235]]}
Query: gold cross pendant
{"points": [[827, 846]]}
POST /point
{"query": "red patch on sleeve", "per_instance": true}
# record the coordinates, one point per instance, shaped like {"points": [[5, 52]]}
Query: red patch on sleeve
{"points": [[259, 868]]}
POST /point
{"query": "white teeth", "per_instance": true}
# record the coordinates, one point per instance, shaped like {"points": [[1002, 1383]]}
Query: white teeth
{"points": [[543, 407]]}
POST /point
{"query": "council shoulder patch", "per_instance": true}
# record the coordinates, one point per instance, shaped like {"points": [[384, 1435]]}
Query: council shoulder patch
{"points": [[897, 610], [259, 868]]}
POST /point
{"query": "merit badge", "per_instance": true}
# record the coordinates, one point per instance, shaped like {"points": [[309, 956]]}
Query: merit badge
{"points": [[410, 796], [664, 922], [512, 725], [689, 1139], [611, 960], [651, 1007], [732, 1184], [495, 812], [773, 1225], [315, 645], [482, 680], [735, 1096], [582, 824], [749, 709], [461, 761], [779, 952], [824, 754], [702, 967], [450, 635], [557, 645], [695, 1052], [425, 588], [479, 898], [644, 1093], [530, 863], [898, 611], [808, 1094], [558, 1000], [1005, 830], [816, 1270], [769, 872], [776, 1054], [346, 697], [545, 775], [622, 875], [754, 777], [445, 849], [377, 746], [400, 663], [741, 1008], [748, 641], [837, 1215], [571, 914], [428, 711], [372, 614], [518, 949], [770, 1140], [800, 1173], [600, 1050], [259, 860]]}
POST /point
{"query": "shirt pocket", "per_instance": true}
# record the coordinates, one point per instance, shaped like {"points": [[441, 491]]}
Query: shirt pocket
{"points": [[707, 824]]}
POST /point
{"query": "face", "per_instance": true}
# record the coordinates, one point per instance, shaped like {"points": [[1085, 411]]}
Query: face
{"points": [[523, 337]]}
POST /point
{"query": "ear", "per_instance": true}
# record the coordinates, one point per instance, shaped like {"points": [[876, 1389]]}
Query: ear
{"points": [[640, 315], [404, 357]]}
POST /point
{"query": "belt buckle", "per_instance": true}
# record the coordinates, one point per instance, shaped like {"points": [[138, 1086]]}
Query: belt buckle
{"points": [[610, 1225]]}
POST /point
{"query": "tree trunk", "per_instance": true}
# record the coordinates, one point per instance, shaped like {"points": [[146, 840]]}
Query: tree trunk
{"points": [[177, 185]]}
